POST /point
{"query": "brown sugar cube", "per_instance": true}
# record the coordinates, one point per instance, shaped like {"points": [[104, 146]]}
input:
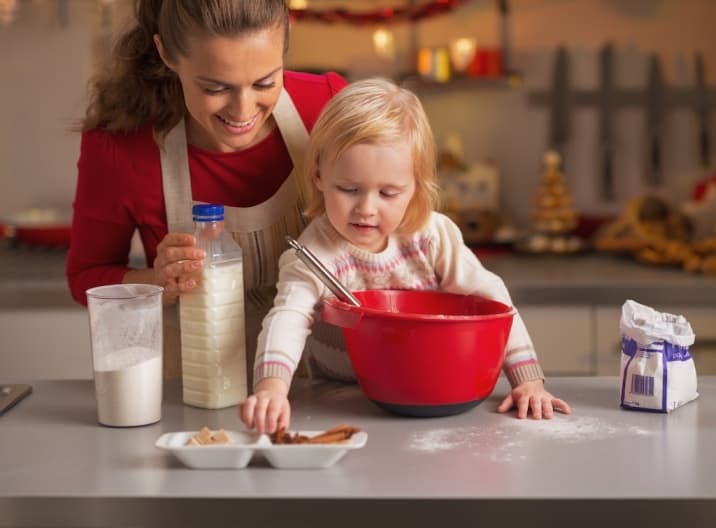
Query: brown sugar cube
{"points": [[204, 435], [208, 437], [220, 437]]}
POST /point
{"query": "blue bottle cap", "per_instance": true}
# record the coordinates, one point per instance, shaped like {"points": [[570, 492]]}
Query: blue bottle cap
{"points": [[208, 212]]}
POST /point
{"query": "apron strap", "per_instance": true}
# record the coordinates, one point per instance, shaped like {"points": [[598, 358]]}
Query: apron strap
{"points": [[265, 223], [176, 180], [294, 135]]}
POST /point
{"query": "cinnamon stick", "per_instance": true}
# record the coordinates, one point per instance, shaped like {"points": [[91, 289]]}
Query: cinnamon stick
{"points": [[331, 436]]}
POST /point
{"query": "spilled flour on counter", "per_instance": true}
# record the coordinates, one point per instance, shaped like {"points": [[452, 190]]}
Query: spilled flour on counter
{"points": [[504, 442], [443, 439]]}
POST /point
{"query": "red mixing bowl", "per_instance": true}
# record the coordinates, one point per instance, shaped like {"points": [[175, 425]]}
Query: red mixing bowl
{"points": [[423, 353]]}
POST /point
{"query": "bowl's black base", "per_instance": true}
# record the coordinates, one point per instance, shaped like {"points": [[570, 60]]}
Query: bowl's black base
{"points": [[427, 411]]}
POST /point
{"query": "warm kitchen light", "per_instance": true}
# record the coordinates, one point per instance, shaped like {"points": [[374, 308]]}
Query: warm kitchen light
{"points": [[384, 43], [462, 51], [298, 4], [425, 62], [8, 10]]}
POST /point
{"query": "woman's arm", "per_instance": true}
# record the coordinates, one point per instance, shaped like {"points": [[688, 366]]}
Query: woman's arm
{"points": [[108, 203], [101, 230]]}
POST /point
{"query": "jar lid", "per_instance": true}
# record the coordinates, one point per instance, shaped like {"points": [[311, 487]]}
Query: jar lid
{"points": [[207, 212]]}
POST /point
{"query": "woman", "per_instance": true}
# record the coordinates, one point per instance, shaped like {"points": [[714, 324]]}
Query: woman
{"points": [[195, 107]]}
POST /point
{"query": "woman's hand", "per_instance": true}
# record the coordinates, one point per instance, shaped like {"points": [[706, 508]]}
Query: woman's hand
{"points": [[532, 396], [177, 258], [267, 409]]}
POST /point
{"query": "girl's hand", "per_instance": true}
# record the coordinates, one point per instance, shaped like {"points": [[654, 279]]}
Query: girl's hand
{"points": [[532, 396], [267, 409], [177, 258]]}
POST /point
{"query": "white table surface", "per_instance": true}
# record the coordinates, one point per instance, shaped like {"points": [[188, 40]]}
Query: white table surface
{"points": [[58, 467]]}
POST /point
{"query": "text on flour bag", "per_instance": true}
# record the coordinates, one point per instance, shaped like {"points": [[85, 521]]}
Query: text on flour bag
{"points": [[213, 339]]}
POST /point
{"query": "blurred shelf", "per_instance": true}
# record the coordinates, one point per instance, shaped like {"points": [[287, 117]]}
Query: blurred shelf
{"points": [[419, 84]]}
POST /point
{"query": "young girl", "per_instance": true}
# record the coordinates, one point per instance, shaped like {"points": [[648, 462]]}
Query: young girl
{"points": [[370, 180]]}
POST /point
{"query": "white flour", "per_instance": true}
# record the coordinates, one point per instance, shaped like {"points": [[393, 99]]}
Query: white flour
{"points": [[444, 439], [506, 441], [128, 387]]}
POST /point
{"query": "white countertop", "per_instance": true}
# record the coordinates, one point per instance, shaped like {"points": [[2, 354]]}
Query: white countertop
{"points": [[57, 464]]}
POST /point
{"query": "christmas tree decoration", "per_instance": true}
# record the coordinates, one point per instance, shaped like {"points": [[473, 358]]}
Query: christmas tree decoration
{"points": [[554, 218]]}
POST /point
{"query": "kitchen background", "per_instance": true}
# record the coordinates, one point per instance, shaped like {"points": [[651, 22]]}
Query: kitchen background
{"points": [[499, 121], [51, 48]]}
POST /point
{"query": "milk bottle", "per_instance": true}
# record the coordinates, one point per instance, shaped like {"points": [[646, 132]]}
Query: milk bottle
{"points": [[213, 342]]}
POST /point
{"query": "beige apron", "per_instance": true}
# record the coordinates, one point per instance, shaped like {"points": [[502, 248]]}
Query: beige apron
{"points": [[260, 230]]}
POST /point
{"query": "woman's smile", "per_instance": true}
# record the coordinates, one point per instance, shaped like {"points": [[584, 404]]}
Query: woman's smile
{"points": [[237, 127]]}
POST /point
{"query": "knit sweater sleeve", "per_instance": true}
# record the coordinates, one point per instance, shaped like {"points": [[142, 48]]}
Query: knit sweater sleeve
{"points": [[288, 323], [460, 271]]}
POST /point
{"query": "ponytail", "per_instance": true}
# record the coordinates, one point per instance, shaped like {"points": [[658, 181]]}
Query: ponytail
{"points": [[136, 86]]}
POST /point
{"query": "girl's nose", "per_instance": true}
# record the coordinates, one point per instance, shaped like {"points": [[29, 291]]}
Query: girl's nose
{"points": [[366, 205]]}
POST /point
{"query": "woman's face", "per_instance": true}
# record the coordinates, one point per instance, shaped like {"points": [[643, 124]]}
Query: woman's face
{"points": [[231, 85]]}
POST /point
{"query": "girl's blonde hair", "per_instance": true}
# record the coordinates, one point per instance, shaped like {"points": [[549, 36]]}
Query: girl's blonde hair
{"points": [[136, 87], [376, 112]]}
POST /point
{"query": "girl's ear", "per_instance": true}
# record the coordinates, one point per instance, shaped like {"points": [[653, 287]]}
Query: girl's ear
{"points": [[160, 49], [317, 181]]}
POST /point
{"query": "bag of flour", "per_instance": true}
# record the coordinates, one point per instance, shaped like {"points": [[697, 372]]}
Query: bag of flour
{"points": [[657, 371]]}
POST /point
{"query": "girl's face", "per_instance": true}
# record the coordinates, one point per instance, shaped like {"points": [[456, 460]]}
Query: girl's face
{"points": [[366, 192], [231, 85]]}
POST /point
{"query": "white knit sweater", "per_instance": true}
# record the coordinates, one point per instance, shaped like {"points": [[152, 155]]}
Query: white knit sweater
{"points": [[434, 258]]}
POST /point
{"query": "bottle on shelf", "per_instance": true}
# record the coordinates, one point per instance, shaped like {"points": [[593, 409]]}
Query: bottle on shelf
{"points": [[213, 341]]}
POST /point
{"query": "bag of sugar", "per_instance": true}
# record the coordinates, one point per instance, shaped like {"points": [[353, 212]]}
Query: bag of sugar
{"points": [[657, 371]]}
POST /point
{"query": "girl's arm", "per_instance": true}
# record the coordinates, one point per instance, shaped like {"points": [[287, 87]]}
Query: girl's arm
{"points": [[460, 271], [280, 345]]}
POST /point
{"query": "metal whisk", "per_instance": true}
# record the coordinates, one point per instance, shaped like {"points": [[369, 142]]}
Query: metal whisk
{"points": [[317, 267]]}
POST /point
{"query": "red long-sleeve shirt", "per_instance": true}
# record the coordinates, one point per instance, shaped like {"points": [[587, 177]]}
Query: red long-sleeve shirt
{"points": [[119, 186]]}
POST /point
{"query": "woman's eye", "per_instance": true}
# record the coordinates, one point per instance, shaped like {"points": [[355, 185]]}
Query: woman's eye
{"points": [[265, 86], [214, 91], [389, 194]]}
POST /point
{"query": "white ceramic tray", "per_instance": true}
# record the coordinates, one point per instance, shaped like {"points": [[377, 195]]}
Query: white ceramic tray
{"points": [[306, 456], [234, 455], [238, 453]]}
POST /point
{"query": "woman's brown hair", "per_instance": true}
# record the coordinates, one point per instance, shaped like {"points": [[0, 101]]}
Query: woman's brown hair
{"points": [[137, 87]]}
